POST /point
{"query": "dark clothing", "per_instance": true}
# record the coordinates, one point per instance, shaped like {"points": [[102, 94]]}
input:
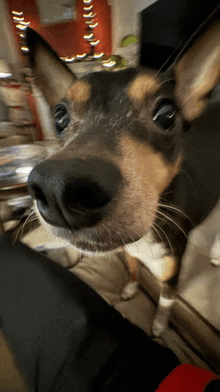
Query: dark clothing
{"points": [[65, 336]]}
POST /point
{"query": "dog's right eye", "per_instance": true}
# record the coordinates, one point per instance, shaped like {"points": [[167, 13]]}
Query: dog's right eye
{"points": [[165, 114], [62, 118]]}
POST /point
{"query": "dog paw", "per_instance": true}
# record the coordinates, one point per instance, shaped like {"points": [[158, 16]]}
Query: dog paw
{"points": [[161, 317], [129, 290]]}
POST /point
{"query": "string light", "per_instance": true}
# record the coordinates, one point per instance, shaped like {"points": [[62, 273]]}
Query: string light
{"points": [[89, 21], [88, 36], [68, 59], [25, 49], [90, 15], [17, 13], [81, 56], [88, 8], [109, 64], [92, 26], [98, 55], [17, 18], [25, 23], [21, 27], [94, 43]]}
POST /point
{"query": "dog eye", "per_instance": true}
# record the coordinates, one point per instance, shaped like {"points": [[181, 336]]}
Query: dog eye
{"points": [[62, 118], [165, 114]]}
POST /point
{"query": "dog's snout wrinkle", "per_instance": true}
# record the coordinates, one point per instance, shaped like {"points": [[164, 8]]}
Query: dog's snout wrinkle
{"points": [[74, 193]]}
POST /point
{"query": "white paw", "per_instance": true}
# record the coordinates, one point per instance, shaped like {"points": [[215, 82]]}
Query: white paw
{"points": [[161, 318], [129, 290]]}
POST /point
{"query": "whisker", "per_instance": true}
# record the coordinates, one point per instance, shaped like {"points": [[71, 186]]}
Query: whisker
{"points": [[16, 234], [171, 248], [30, 218], [165, 81], [22, 227], [166, 193], [171, 220], [122, 239], [157, 231], [135, 232], [34, 218], [165, 63], [174, 209]]}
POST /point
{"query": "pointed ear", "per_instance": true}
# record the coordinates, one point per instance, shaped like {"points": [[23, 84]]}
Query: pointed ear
{"points": [[51, 74], [197, 72]]}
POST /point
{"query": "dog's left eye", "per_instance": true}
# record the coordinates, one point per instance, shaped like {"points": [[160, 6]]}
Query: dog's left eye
{"points": [[165, 114], [62, 118]]}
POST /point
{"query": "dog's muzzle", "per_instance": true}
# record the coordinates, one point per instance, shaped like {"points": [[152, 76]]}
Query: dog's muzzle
{"points": [[74, 193]]}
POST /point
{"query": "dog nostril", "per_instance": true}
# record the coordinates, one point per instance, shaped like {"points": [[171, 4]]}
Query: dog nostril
{"points": [[39, 195], [83, 194]]}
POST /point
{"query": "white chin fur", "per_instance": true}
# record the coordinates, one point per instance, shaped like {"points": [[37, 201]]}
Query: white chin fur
{"points": [[90, 253], [146, 249], [154, 256]]}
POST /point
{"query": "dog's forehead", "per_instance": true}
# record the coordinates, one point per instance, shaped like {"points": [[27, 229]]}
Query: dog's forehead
{"points": [[105, 87]]}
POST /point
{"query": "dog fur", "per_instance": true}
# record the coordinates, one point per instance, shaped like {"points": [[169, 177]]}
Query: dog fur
{"points": [[137, 173]]}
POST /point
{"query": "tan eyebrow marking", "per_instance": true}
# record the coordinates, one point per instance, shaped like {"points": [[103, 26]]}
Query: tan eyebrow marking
{"points": [[79, 92], [142, 86]]}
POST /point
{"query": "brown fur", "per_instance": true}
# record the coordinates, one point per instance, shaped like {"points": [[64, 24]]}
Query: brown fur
{"points": [[79, 92], [143, 86], [139, 156], [120, 129]]}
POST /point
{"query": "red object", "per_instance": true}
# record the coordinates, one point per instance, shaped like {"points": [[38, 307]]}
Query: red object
{"points": [[187, 378], [67, 38]]}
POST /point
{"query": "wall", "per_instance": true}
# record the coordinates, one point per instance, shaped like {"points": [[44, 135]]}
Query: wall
{"points": [[67, 38], [116, 18], [125, 19]]}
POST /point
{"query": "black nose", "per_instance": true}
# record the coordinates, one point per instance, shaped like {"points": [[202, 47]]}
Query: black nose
{"points": [[74, 193]]}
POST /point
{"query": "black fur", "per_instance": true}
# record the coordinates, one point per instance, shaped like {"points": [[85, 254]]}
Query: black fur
{"points": [[95, 131]]}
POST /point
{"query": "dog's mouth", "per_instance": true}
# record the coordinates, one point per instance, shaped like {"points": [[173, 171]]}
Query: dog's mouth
{"points": [[102, 239], [91, 242], [94, 247], [116, 231]]}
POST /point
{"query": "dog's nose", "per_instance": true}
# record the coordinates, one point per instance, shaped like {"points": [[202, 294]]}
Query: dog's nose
{"points": [[74, 193]]}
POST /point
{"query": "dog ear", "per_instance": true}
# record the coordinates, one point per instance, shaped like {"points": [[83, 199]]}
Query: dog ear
{"points": [[51, 74], [197, 71]]}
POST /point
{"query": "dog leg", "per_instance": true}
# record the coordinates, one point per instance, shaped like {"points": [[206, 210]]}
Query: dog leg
{"points": [[167, 297], [161, 318], [131, 288]]}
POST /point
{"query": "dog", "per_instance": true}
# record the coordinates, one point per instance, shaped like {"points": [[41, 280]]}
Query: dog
{"points": [[129, 162]]}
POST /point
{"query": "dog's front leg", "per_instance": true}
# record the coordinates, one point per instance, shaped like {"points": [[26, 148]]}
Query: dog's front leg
{"points": [[131, 288], [164, 267], [166, 301]]}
